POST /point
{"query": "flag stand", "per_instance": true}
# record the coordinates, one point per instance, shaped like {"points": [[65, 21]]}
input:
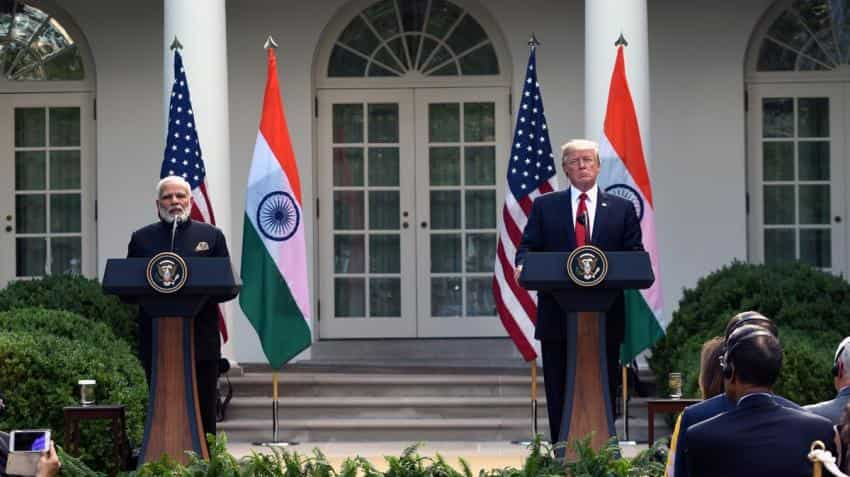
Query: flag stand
{"points": [[533, 405], [275, 442], [626, 439]]}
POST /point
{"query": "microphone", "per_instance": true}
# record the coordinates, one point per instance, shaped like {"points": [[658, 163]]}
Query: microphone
{"points": [[584, 219], [173, 231]]}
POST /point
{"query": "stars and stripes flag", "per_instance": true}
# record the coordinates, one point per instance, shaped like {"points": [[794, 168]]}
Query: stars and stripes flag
{"points": [[531, 172], [182, 156]]}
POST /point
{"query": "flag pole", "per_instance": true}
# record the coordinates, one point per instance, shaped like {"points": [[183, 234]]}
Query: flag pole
{"points": [[275, 442]]}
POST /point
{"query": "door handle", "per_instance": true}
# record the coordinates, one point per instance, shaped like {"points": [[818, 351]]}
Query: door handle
{"points": [[837, 219], [404, 225], [8, 228], [424, 224]]}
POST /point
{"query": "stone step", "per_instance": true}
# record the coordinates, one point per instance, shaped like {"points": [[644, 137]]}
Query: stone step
{"points": [[419, 407]]}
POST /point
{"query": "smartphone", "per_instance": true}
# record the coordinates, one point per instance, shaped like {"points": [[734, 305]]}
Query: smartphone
{"points": [[34, 440]]}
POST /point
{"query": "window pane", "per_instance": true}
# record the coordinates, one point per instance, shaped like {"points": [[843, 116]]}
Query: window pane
{"points": [[66, 66], [383, 166], [789, 30], [773, 57], [480, 164], [441, 56], [449, 70], [30, 214], [816, 247], [413, 14], [467, 34], [348, 210], [480, 252], [412, 47], [348, 166], [30, 127], [64, 127], [445, 253], [479, 297], [814, 117], [385, 253], [349, 253], [385, 297], [384, 212], [779, 246], [66, 255], [382, 16], [349, 297], [778, 117], [446, 298], [348, 123], [443, 15], [428, 46], [359, 37], [778, 158], [386, 58], [814, 204], [383, 122], [378, 70], [779, 204], [481, 209], [444, 165], [345, 64], [64, 170], [31, 257], [481, 61], [479, 122], [30, 170], [445, 209], [65, 213], [814, 160], [444, 122]]}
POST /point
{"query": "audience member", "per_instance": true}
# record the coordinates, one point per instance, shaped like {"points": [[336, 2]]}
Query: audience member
{"points": [[834, 408], [48, 463], [759, 437]]}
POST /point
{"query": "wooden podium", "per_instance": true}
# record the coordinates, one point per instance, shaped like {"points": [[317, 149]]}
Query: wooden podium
{"points": [[587, 406], [173, 422]]}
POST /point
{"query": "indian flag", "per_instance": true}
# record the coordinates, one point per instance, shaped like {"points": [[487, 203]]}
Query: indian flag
{"points": [[624, 173], [275, 293]]}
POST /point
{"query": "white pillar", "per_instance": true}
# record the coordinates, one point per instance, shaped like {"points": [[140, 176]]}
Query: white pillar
{"points": [[604, 21], [201, 27]]}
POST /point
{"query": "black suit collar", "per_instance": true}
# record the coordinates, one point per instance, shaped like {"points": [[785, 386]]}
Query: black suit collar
{"points": [[756, 401]]}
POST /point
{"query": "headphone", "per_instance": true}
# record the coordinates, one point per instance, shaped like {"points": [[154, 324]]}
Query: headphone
{"points": [[751, 318], [838, 352], [740, 335]]}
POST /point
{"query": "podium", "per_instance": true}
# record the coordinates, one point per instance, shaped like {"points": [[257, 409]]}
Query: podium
{"points": [[587, 406], [173, 422]]}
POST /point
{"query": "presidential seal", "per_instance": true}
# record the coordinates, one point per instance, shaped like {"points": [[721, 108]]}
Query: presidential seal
{"points": [[167, 272], [587, 266], [630, 194]]}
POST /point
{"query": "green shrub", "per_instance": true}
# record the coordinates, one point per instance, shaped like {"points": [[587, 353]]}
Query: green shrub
{"points": [[810, 308], [39, 373], [74, 293]]}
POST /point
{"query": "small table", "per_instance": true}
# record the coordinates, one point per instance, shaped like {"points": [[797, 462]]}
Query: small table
{"points": [[115, 413], [664, 405]]}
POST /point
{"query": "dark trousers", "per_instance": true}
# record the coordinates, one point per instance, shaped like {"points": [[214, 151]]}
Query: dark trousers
{"points": [[206, 376], [555, 354]]}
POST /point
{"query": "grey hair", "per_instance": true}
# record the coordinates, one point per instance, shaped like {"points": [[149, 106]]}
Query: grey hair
{"points": [[580, 145], [842, 353], [172, 180]]}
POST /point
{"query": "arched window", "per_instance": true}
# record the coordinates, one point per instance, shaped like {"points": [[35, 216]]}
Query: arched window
{"points": [[35, 46], [809, 35], [395, 37]]}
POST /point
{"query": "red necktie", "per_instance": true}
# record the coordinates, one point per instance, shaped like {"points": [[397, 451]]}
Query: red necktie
{"points": [[581, 227]]}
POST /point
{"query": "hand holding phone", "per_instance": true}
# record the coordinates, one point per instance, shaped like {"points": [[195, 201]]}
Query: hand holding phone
{"points": [[26, 448]]}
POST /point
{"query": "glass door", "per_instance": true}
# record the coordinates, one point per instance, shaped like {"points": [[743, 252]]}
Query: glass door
{"points": [[460, 168], [47, 182], [797, 179], [366, 239]]}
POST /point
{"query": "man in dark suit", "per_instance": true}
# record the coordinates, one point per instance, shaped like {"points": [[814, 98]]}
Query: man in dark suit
{"points": [[191, 239], [834, 408], [559, 222], [759, 437]]}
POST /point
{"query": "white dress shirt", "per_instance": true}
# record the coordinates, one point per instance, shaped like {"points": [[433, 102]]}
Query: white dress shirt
{"points": [[590, 202]]}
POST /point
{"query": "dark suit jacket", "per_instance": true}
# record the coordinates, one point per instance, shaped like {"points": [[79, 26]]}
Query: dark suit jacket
{"points": [[550, 228], [706, 410], [832, 409], [155, 238], [757, 438]]}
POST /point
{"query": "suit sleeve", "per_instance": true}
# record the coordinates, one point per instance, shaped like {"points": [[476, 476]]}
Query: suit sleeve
{"points": [[633, 239], [220, 249], [133, 247], [532, 236]]}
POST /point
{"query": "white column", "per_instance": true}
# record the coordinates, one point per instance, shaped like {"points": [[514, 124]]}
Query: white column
{"points": [[201, 27], [604, 21]]}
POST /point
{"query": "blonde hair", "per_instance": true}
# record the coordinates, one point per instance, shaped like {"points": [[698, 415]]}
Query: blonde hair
{"points": [[580, 145]]}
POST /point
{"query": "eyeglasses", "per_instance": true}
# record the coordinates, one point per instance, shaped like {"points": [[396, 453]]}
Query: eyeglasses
{"points": [[581, 160]]}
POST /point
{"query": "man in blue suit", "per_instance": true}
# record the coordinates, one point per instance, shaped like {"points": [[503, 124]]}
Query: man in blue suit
{"points": [[721, 403], [559, 222], [759, 437], [834, 408]]}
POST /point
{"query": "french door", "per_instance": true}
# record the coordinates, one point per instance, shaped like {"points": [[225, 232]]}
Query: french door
{"points": [[47, 186], [410, 185], [798, 175]]}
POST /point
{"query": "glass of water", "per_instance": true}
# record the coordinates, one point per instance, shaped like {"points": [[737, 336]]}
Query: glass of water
{"points": [[87, 391], [674, 382]]}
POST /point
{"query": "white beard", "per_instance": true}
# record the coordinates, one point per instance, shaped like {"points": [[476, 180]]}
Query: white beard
{"points": [[181, 218]]}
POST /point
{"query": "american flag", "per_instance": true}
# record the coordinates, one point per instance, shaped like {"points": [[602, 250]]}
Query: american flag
{"points": [[182, 156], [531, 172]]}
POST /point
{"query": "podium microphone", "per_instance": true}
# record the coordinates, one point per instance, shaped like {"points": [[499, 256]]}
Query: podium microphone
{"points": [[584, 219], [174, 230]]}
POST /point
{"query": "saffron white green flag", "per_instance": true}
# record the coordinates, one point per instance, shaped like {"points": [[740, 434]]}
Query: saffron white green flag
{"points": [[275, 293], [624, 173]]}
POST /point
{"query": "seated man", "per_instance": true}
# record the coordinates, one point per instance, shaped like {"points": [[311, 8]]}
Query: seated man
{"points": [[720, 403], [759, 437], [834, 408]]}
